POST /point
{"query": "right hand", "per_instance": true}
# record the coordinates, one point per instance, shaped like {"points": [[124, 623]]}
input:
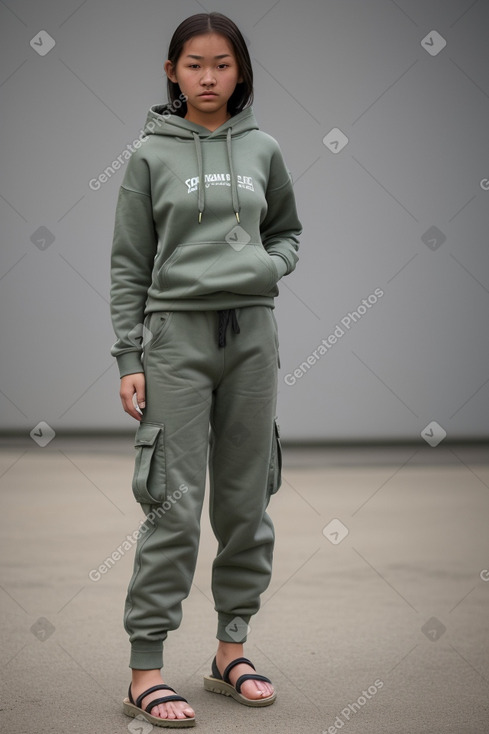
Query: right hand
{"points": [[133, 385]]}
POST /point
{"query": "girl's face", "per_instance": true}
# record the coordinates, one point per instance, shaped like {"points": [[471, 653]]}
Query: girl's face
{"points": [[207, 73]]}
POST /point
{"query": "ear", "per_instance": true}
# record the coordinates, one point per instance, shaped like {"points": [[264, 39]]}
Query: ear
{"points": [[170, 71]]}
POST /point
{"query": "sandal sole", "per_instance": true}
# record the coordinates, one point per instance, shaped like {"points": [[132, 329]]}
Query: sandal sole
{"points": [[214, 685], [136, 713]]}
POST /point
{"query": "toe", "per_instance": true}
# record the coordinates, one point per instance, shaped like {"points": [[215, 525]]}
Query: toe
{"points": [[256, 689], [184, 711], [172, 711], [160, 711], [250, 688], [169, 711], [179, 711]]}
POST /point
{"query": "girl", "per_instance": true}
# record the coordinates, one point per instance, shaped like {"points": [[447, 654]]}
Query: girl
{"points": [[205, 227]]}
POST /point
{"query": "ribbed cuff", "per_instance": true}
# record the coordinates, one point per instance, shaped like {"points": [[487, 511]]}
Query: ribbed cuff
{"points": [[233, 627], [147, 657], [129, 363]]}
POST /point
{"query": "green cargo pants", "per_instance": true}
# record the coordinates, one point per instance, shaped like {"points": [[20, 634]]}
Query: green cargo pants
{"points": [[215, 404]]}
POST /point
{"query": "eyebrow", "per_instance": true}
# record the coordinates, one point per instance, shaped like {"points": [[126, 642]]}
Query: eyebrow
{"points": [[194, 56]]}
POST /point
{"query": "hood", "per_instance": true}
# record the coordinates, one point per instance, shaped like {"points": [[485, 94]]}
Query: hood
{"points": [[161, 121]]}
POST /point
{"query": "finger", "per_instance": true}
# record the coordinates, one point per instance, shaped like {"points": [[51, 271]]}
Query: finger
{"points": [[129, 407], [138, 404], [134, 413], [141, 401], [140, 390]]}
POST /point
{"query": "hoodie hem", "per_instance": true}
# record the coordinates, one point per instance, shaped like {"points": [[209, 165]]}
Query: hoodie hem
{"points": [[206, 303]]}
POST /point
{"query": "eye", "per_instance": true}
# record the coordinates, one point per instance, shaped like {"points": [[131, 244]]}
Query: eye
{"points": [[223, 66]]}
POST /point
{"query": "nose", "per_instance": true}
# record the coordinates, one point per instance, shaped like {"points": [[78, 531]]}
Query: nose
{"points": [[208, 78]]}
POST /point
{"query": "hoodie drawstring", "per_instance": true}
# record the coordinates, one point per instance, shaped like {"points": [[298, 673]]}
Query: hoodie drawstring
{"points": [[200, 173], [201, 184], [234, 188]]}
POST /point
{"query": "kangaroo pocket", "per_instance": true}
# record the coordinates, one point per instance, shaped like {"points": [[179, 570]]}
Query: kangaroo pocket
{"points": [[275, 469], [149, 480], [196, 269]]}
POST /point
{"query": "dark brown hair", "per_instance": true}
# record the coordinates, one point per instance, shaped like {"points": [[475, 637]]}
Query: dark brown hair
{"points": [[197, 25]]}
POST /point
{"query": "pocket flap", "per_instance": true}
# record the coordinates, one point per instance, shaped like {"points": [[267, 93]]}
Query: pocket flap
{"points": [[275, 469], [146, 435], [149, 480]]}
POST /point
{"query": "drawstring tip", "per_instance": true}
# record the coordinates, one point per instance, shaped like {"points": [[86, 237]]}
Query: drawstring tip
{"points": [[237, 216], [200, 217]]}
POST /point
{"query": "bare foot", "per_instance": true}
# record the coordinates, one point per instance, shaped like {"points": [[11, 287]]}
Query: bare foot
{"points": [[254, 689], [144, 679]]}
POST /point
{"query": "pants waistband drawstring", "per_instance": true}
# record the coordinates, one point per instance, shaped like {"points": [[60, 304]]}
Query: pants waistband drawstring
{"points": [[225, 316]]}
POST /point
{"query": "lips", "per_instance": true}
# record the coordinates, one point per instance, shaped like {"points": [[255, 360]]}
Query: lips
{"points": [[208, 94]]}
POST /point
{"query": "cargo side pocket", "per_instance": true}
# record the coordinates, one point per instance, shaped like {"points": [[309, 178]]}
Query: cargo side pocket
{"points": [[149, 480], [275, 471]]}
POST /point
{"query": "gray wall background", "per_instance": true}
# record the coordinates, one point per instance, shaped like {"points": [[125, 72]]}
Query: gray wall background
{"points": [[403, 206]]}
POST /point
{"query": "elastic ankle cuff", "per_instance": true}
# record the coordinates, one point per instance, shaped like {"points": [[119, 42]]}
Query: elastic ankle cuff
{"points": [[233, 627], [147, 657]]}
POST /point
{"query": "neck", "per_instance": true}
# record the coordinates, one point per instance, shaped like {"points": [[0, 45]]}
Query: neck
{"points": [[210, 121]]}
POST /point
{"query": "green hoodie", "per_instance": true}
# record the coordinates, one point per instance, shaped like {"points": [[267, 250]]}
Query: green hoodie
{"points": [[204, 221]]}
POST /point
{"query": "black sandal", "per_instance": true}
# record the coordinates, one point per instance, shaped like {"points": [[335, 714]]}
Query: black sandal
{"points": [[218, 683], [133, 708]]}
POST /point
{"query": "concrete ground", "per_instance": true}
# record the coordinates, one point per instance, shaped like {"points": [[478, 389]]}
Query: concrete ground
{"points": [[376, 619]]}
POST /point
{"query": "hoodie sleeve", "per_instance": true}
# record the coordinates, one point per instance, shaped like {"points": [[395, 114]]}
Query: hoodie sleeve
{"points": [[133, 251], [281, 227]]}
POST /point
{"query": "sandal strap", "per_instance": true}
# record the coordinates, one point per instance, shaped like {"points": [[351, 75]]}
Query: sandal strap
{"points": [[242, 678], [215, 671], [139, 699], [238, 661], [250, 676], [164, 699]]}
